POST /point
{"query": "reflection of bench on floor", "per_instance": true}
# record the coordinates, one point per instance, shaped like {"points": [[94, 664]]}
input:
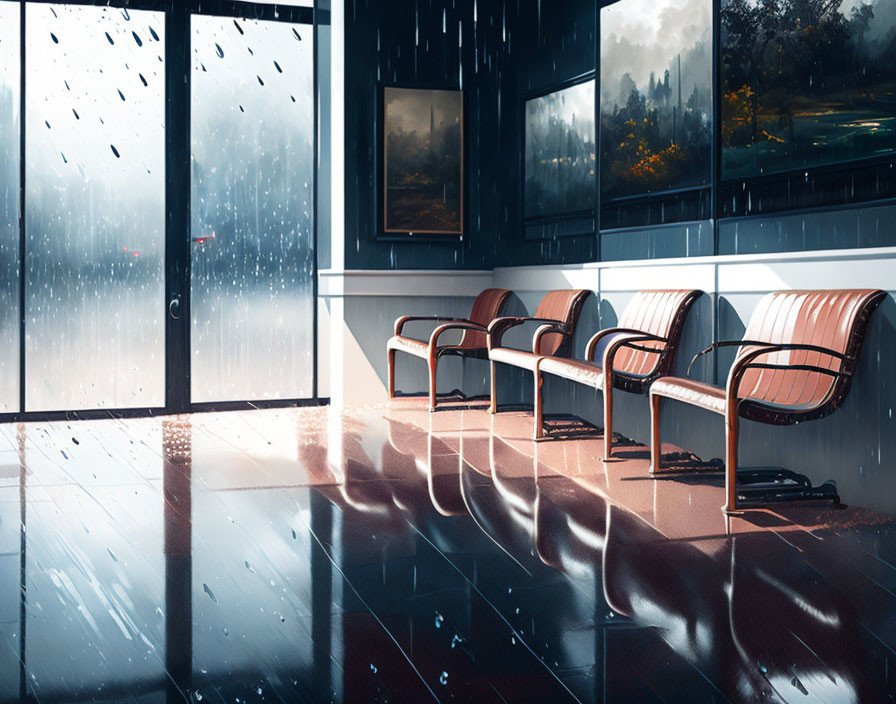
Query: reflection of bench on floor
{"points": [[635, 353], [795, 363]]}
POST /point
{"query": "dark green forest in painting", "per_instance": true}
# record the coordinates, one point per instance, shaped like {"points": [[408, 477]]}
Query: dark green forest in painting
{"points": [[806, 82], [423, 168]]}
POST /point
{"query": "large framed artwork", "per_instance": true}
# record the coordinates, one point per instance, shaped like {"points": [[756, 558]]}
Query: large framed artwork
{"points": [[806, 88], [421, 189], [656, 97], [559, 188]]}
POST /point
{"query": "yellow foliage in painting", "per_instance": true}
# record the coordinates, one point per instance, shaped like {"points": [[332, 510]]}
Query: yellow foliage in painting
{"points": [[638, 164], [737, 113]]}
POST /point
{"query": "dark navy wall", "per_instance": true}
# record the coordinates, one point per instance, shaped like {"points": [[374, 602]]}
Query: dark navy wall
{"points": [[425, 43], [548, 43], [499, 51]]}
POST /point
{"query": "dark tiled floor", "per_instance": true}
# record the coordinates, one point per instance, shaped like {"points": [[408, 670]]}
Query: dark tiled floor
{"points": [[392, 555]]}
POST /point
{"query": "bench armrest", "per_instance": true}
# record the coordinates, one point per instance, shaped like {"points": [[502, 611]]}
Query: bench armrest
{"points": [[644, 337], [499, 326], [625, 340], [767, 348], [453, 325], [402, 321]]}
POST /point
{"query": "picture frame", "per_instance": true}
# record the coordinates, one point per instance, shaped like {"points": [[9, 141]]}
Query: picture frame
{"points": [[421, 179], [559, 144]]}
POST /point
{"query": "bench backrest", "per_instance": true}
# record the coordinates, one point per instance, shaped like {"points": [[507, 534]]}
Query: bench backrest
{"points": [[658, 312], [565, 305], [835, 320], [486, 308]]}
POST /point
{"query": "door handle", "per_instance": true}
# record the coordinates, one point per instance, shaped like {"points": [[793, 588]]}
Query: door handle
{"points": [[174, 307]]}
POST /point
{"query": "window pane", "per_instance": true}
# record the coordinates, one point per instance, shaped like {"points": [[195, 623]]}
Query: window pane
{"points": [[95, 208], [808, 87], [656, 96], [252, 210], [9, 206]]}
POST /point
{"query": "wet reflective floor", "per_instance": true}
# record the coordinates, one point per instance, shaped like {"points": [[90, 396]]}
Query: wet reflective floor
{"points": [[392, 555]]}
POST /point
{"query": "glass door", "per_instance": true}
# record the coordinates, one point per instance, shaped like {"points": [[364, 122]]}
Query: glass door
{"points": [[157, 206], [252, 254], [95, 208]]}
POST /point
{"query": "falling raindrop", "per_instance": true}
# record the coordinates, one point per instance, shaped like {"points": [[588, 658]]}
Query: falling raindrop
{"points": [[111, 41], [277, 66], [210, 593], [260, 82], [137, 39], [373, 668], [296, 34], [144, 80], [219, 51], [121, 95], [443, 678], [115, 151], [238, 28], [77, 117], [54, 38], [439, 620], [153, 33]]}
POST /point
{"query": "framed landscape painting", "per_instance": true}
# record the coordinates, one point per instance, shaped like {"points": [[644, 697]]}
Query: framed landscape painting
{"points": [[806, 89], [656, 96], [560, 158], [422, 163]]}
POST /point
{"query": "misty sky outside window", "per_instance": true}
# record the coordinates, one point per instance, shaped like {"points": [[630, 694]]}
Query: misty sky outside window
{"points": [[9, 206], [252, 210], [656, 96], [95, 212]]}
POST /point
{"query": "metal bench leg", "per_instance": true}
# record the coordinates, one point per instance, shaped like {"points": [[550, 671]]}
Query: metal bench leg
{"points": [[608, 422], [493, 406], [731, 432], [433, 363], [390, 363], [538, 410], [655, 401]]}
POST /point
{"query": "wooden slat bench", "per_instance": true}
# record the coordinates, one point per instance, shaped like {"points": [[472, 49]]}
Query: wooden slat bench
{"points": [[795, 363]]}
